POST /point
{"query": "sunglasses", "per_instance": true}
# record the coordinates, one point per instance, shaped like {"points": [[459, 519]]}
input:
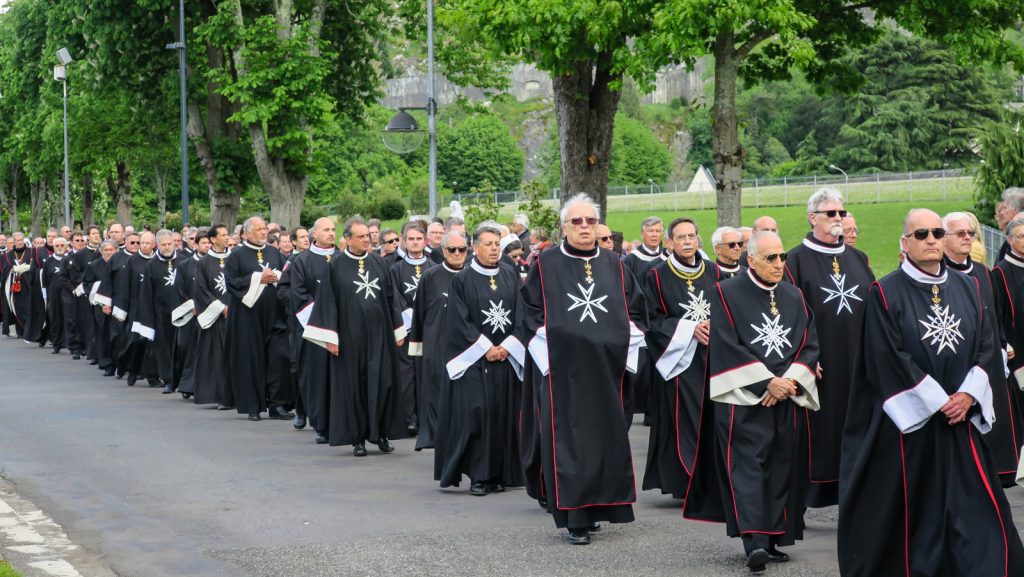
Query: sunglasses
{"points": [[732, 244], [456, 249], [922, 233], [579, 220], [966, 233], [781, 257], [831, 213], [133, 242], [391, 241], [604, 238]]}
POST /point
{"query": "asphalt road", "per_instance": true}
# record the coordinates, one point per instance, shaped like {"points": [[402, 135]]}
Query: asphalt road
{"points": [[151, 485]]}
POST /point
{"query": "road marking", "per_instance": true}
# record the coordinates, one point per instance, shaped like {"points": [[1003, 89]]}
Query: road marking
{"points": [[34, 540]]}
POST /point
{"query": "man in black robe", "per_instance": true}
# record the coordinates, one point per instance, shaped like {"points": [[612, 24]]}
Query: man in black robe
{"points": [[82, 342], [638, 262], [355, 316], [428, 312], [1007, 209], [728, 244], [679, 293], [583, 320], [764, 350], [303, 274], [5, 309], [834, 279], [1007, 434], [252, 272], [97, 277], [187, 333], [479, 400], [135, 357], [919, 494], [405, 276], [19, 285], [210, 297], [118, 269], [165, 306], [58, 295]]}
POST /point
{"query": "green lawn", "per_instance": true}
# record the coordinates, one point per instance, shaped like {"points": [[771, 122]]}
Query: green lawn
{"points": [[6, 571]]}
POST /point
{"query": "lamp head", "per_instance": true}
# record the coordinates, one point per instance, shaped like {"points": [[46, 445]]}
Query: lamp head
{"points": [[64, 57], [403, 134]]}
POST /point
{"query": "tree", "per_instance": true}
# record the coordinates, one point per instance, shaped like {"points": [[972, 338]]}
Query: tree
{"points": [[1002, 145], [478, 149], [637, 155], [765, 39]]}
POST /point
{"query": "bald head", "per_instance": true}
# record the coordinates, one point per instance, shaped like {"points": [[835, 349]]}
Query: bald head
{"points": [[919, 217], [324, 232], [766, 223]]}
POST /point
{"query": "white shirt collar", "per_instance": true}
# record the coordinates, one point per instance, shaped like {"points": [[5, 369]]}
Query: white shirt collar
{"points": [[735, 267], [254, 246], [644, 254], [162, 259], [321, 251], [824, 249], [758, 283], [151, 255], [484, 271], [569, 254], [414, 261], [916, 273], [450, 269], [1013, 259], [685, 267], [216, 254], [350, 255]]}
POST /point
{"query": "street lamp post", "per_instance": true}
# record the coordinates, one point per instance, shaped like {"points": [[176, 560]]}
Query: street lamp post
{"points": [[180, 47], [846, 176], [60, 73]]}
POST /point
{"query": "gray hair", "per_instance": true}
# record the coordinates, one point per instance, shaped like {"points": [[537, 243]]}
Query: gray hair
{"points": [[347, 231], [716, 237], [1014, 198], [487, 226], [522, 219], [1014, 225], [412, 226], [51, 229], [59, 240], [649, 222], [164, 233], [949, 218], [450, 235], [540, 232], [453, 221], [246, 226], [580, 198], [744, 229], [754, 245], [106, 242], [823, 195]]}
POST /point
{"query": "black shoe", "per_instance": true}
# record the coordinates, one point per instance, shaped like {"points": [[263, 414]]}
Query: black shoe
{"points": [[42, 344], [94, 362], [279, 414], [75, 356], [153, 382], [299, 422], [359, 450], [412, 430], [478, 489], [118, 375], [131, 380], [385, 446], [594, 528], [55, 351], [757, 561], [579, 537], [495, 488], [224, 407], [543, 502], [776, 556], [108, 372], [254, 416], [186, 396], [321, 439], [168, 389]]}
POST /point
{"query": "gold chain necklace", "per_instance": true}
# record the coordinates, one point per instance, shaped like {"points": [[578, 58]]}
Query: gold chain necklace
{"points": [[689, 277]]}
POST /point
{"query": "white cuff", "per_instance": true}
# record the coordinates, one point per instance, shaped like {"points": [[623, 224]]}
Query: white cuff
{"points": [[458, 366], [120, 314], [1006, 360], [92, 292], [636, 342], [401, 333], [183, 313], [679, 354], [977, 385], [516, 354], [803, 374], [539, 350], [1020, 470], [322, 337], [415, 349], [79, 290], [407, 319], [911, 409], [148, 333], [209, 316], [102, 300], [731, 386], [303, 315], [1019, 376], [255, 290]]}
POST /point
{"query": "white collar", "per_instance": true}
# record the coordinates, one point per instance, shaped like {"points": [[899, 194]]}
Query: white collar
{"points": [[321, 251], [57, 256], [644, 254], [196, 256], [684, 267], [216, 254], [484, 271], [758, 283], [817, 246], [253, 246], [1014, 259], [125, 250], [586, 258], [414, 261], [151, 255], [350, 255], [968, 263], [91, 247], [162, 259], [450, 269], [727, 268], [916, 273]]}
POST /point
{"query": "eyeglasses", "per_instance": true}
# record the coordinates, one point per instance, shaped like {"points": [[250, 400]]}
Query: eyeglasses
{"points": [[831, 213], [849, 231], [456, 249], [604, 238], [732, 244], [966, 233], [781, 256], [391, 241], [687, 236], [922, 233], [579, 220], [133, 242]]}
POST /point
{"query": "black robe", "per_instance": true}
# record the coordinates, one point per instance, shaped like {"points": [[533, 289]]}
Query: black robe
{"points": [[303, 274], [583, 337], [81, 335], [101, 290], [357, 310], [405, 276], [135, 356], [58, 299], [919, 496], [210, 298], [115, 287], [681, 415], [638, 385], [22, 286], [165, 306], [723, 271], [187, 332], [837, 301], [5, 309], [428, 313], [480, 400], [1005, 294], [750, 344], [253, 309]]}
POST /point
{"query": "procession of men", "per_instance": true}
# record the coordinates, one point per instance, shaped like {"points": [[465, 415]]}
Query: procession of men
{"points": [[772, 381]]}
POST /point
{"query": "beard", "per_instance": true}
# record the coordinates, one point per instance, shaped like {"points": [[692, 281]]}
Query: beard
{"points": [[836, 230]]}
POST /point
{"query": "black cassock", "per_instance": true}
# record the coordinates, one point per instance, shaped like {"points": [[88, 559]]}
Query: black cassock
{"points": [[357, 309], [252, 312], [919, 496], [724, 271], [210, 297], [834, 279], [81, 336], [682, 424], [5, 309], [115, 287], [303, 274], [1007, 434], [761, 331], [406, 274], [58, 299], [188, 331], [165, 306], [480, 400], [638, 386], [135, 356], [583, 321], [101, 290], [425, 341], [22, 290]]}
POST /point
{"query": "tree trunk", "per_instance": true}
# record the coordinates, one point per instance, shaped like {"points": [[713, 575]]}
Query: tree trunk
{"points": [[727, 152], [119, 186], [160, 182], [88, 217], [37, 196], [9, 198], [585, 109]]}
